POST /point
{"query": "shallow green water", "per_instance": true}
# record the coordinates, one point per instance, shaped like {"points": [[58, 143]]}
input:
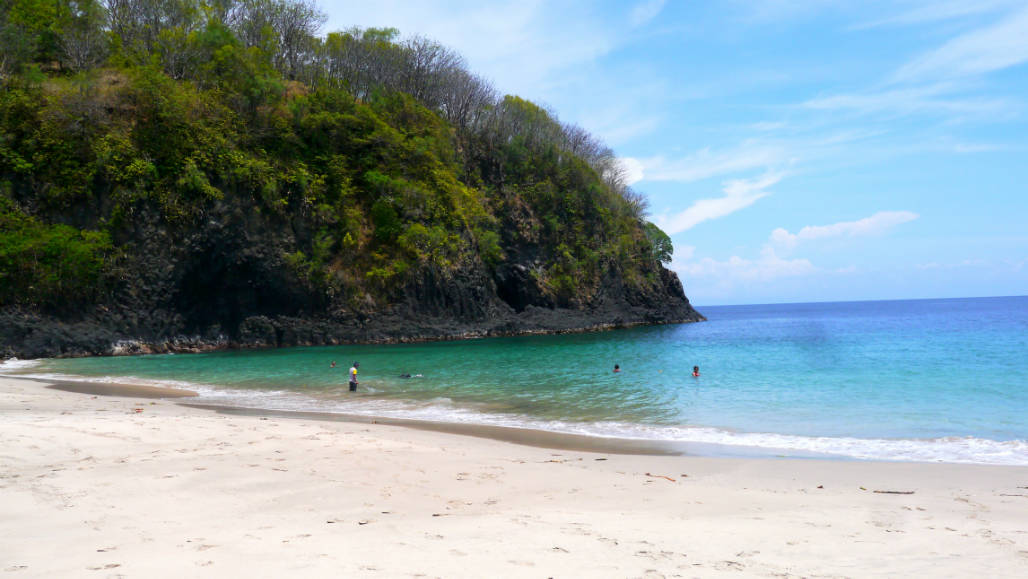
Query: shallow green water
{"points": [[916, 380]]}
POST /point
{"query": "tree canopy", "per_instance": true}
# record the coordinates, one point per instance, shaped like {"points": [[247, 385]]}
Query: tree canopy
{"points": [[379, 155]]}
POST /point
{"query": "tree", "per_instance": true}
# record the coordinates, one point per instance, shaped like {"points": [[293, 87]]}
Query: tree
{"points": [[297, 23], [145, 28], [84, 45], [464, 98], [17, 45], [363, 60], [661, 243], [28, 31], [426, 64], [252, 21], [286, 30]]}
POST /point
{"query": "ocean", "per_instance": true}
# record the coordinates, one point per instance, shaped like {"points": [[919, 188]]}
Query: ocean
{"points": [[913, 380]]}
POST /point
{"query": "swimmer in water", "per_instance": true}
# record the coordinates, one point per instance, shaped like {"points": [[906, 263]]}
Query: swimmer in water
{"points": [[617, 368], [696, 371]]}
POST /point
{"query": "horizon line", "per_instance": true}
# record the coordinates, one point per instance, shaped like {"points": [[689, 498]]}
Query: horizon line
{"points": [[850, 301]]}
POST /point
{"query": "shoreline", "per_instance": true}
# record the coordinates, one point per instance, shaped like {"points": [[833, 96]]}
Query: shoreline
{"points": [[157, 487], [525, 435]]}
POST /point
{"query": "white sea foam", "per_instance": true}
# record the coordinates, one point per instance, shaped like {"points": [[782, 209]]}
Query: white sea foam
{"points": [[968, 450], [128, 380], [16, 365]]}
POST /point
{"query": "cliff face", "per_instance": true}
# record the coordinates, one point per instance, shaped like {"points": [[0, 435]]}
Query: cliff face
{"points": [[267, 312], [226, 285], [140, 214]]}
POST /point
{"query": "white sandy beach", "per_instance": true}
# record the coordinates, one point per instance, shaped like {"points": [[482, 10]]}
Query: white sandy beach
{"points": [[106, 486]]}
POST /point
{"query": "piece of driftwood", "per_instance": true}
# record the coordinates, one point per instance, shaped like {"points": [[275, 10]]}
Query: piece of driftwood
{"points": [[895, 492], [660, 476]]}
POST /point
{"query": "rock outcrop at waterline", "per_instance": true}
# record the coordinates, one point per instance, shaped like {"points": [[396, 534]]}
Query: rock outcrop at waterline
{"points": [[477, 311]]}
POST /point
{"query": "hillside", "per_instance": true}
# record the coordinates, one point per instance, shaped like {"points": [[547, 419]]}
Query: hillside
{"points": [[191, 187]]}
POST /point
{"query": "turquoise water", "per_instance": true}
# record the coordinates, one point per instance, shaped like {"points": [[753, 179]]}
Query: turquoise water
{"points": [[927, 380]]}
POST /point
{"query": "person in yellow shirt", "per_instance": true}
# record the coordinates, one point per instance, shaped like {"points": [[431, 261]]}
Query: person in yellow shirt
{"points": [[353, 377]]}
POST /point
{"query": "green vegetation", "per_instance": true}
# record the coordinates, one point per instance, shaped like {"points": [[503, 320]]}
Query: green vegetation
{"points": [[50, 266], [355, 161]]}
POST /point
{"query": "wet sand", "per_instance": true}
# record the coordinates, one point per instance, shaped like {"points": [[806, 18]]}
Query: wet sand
{"points": [[120, 485]]}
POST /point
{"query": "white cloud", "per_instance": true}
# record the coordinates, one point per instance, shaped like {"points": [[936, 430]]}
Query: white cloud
{"points": [[941, 80], [774, 11], [704, 164], [634, 171], [643, 12], [621, 127], [936, 11], [738, 194], [975, 147], [769, 125], [748, 187], [768, 266], [719, 278], [996, 47], [955, 265], [934, 99], [875, 224]]}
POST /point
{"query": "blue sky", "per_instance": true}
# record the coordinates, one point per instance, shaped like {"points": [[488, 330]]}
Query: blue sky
{"points": [[795, 150]]}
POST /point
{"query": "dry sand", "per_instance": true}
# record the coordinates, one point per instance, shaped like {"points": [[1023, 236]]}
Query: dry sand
{"points": [[105, 486]]}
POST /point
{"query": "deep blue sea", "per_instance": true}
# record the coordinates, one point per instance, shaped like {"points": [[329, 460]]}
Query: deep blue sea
{"points": [[920, 380]]}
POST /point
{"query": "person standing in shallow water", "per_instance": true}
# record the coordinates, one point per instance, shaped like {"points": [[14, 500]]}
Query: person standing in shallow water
{"points": [[696, 371], [353, 377]]}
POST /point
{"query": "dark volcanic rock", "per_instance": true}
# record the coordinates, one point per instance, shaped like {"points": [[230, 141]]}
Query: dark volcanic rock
{"points": [[434, 307]]}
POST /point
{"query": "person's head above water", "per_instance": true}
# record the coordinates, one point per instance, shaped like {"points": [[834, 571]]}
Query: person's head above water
{"points": [[617, 368], [695, 370]]}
